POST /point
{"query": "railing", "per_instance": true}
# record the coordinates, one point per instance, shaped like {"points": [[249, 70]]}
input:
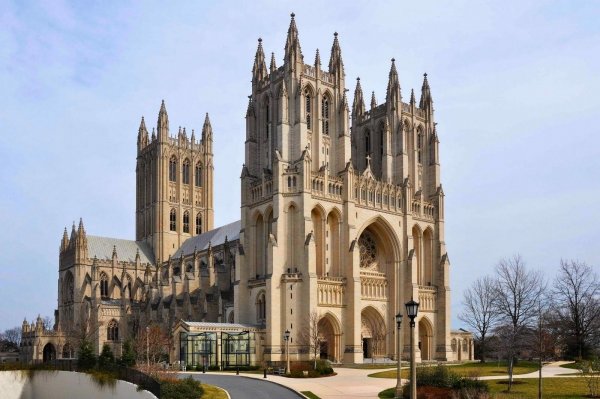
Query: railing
{"points": [[426, 211], [331, 290], [378, 195], [327, 187], [373, 285], [427, 295]]}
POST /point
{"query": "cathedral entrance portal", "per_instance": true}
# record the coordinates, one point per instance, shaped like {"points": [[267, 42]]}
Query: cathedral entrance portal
{"points": [[329, 338], [49, 353]]}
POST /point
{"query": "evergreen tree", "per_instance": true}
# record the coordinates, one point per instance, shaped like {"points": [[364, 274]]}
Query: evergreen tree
{"points": [[86, 359], [106, 360]]}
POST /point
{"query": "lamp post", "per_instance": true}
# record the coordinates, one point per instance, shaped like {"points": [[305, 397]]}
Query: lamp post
{"points": [[399, 354], [147, 347], [286, 337], [412, 309]]}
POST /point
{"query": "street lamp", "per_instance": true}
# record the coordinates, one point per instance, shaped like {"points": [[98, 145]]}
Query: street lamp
{"points": [[399, 354], [286, 337], [412, 309]]}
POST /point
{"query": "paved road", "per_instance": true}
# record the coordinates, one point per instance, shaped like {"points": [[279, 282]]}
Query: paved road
{"points": [[247, 388]]}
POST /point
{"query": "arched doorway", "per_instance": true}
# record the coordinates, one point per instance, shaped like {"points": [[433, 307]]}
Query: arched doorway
{"points": [[373, 333], [329, 338], [425, 339], [49, 353]]}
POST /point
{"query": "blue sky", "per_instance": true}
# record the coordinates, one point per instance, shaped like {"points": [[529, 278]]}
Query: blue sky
{"points": [[515, 86]]}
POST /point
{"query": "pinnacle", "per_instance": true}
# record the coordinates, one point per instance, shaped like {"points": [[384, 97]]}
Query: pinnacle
{"points": [[273, 66], [317, 59], [373, 100], [412, 96]]}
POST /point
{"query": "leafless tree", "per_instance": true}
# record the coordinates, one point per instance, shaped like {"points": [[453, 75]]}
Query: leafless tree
{"points": [[379, 336], [480, 312], [12, 336], [48, 323], [576, 297], [311, 336], [152, 342], [518, 291]]}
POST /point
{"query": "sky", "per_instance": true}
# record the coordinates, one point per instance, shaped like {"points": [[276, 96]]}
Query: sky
{"points": [[515, 87]]}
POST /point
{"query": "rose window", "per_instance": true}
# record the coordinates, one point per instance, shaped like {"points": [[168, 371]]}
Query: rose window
{"points": [[368, 250]]}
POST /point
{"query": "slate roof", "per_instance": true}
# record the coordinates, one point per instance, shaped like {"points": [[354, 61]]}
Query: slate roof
{"points": [[102, 248], [205, 324], [215, 237]]}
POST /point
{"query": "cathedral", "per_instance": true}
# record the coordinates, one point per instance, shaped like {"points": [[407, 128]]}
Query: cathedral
{"points": [[342, 222]]}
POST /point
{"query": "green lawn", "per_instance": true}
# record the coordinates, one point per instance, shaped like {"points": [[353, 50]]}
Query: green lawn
{"points": [[213, 392], [309, 394], [471, 369], [526, 388], [551, 388]]}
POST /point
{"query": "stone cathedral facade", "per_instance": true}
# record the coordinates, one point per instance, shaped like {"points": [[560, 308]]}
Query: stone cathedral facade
{"points": [[342, 222]]}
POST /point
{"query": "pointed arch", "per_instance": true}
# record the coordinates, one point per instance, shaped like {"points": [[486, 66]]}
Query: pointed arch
{"points": [[428, 277], [385, 233], [261, 307], [329, 331], [68, 287], [185, 170], [333, 243], [198, 175], [103, 285], [173, 220], [325, 112], [425, 338], [112, 331], [373, 332], [292, 224], [198, 223], [173, 169], [309, 96], [317, 215], [186, 221], [420, 144]]}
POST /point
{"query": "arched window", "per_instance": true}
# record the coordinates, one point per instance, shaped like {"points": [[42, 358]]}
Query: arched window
{"points": [[103, 285], [198, 224], [381, 140], [173, 169], [261, 308], [325, 114], [308, 110], [186, 171], [68, 288], [112, 331], [186, 222], [267, 118], [173, 220], [368, 142], [420, 146], [198, 175]]}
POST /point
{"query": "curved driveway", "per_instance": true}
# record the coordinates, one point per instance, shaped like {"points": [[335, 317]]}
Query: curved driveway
{"points": [[240, 387]]}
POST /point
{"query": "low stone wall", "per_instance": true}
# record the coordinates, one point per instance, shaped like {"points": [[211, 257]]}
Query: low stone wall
{"points": [[42, 384]]}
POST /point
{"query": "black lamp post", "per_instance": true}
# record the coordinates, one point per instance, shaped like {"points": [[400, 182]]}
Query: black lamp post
{"points": [[412, 309], [286, 337], [399, 354]]}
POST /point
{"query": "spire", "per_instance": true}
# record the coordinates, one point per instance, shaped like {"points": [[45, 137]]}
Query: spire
{"points": [[412, 96], [317, 60], [293, 52], [81, 229], [335, 61], [250, 110], [153, 134], [193, 138], [373, 100], [425, 93], [206, 129], [273, 66], [73, 233], [142, 139], [393, 88], [259, 70], [64, 243], [163, 122], [358, 107]]}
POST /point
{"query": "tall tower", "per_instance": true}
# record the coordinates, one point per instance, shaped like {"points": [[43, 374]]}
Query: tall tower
{"points": [[174, 181], [340, 225]]}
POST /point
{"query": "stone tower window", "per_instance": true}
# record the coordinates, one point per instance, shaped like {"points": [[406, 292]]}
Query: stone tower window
{"points": [[173, 220], [103, 285], [186, 222], [198, 175], [112, 331], [186, 171], [173, 169], [261, 308], [367, 142], [308, 110], [198, 224], [420, 146], [69, 288], [325, 114]]}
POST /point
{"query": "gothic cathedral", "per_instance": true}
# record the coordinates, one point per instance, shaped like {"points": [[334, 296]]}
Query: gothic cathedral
{"points": [[342, 222]]}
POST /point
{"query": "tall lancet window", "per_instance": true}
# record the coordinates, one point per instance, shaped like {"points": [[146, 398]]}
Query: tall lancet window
{"points": [[198, 175], [103, 286], [367, 142], [198, 224], [173, 169], [420, 146], [186, 222], [308, 110], [186, 171], [325, 114], [173, 220]]}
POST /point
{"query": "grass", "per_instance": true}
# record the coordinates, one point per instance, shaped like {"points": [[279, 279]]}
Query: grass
{"points": [[526, 388], [213, 392], [367, 366], [309, 394], [572, 366], [471, 369], [562, 388]]}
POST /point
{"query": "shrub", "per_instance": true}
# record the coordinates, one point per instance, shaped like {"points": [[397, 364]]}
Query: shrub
{"points": [[324, 367], [213, 368], [441, 377], [106, 360], [86, 359], [128, 357], [187, 388]]}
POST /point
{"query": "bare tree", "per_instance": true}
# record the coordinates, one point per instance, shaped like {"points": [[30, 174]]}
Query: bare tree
{"points": [[576, 296], [517, 300], [151, 343], [480, 313], [48, 323], [312, 337], [12, 337]]}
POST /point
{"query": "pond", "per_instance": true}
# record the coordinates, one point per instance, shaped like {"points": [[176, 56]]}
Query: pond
{"points": [[43, 384]]}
